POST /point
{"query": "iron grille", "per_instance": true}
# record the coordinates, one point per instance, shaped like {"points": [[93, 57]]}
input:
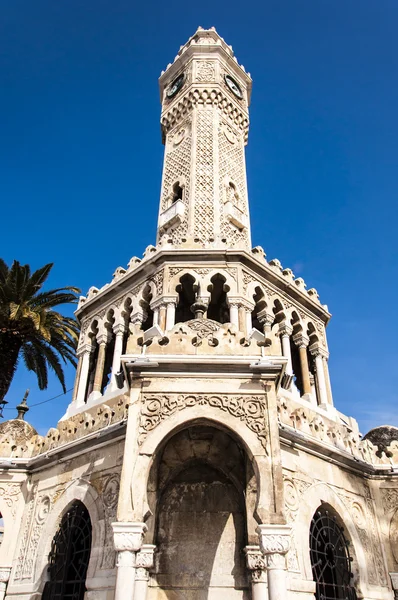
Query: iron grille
{"points": [[330, 559], [69, 556]]}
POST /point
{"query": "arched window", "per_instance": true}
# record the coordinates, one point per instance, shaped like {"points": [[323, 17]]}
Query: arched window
{"points": [[69, 556], [330, 558], [186, 297], [218, 307]]}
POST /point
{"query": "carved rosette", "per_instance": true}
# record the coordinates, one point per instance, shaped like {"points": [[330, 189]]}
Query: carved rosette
{"points": [[274, 543], [256, 563]]}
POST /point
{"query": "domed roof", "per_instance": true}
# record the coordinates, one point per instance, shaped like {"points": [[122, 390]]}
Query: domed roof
{"points": [[382, 437]]}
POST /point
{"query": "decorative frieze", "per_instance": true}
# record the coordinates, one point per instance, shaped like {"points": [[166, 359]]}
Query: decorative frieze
{"points": [[249, 409]]}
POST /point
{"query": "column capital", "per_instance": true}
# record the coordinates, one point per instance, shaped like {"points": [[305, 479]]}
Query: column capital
{"points": [[265, 318], [84, 348], [301, 340], [103, 338], [144, 562], [316, 350], [128, 537], [239, 302], [163, 301], [119, 328], [285, 329], [137, 317], [274, 539], [256, 563]]}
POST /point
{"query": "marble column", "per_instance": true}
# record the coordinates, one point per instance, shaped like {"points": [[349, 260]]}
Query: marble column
{"points": [[156, 316], [249, 325], [234, 314], [274, 544], [242, 318], [77, 377], [320, 376], [102, 340], [266, 319], [4, 577], [162, 318], [257, 565], [302, 342], [170, 315], [84, 352], [118, 330], [143, 565], [327, 377], [285, 331], [128, 539]]}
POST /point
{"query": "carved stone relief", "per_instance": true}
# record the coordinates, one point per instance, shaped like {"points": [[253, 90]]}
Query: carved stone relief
{"points": [[205, 71], [10, 494], [158, 407], [108, 487]]}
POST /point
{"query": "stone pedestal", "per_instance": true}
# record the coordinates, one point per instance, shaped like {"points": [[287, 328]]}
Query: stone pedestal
{"points": [[128, 539], [274, 543]]}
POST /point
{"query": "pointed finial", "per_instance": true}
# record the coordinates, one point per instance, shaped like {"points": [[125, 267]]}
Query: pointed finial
{"points": [[23, 407]]}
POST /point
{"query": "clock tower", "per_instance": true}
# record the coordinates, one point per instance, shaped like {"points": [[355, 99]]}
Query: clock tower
{"points": [[205, 96]]}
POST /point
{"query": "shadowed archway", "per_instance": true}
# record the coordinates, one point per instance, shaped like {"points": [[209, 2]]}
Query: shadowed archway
{"points": [[196, 491]]}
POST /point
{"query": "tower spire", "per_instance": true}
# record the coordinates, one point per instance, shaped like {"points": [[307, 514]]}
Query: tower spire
{"points": [[205, 96]]}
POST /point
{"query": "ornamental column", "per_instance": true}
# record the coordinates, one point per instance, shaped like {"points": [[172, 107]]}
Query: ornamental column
{"points": [[274, 543], [128, 539], [4, 577], [234, 313], [170, 314], [285, 331], [77, 376], [102, 340], [118, 330], [83, 352], [266, 319], [143, 565], [320, 375], [302, 342], [257, 565]]}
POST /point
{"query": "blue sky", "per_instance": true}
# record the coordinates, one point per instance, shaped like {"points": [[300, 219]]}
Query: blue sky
{"points": [[81, 157]]}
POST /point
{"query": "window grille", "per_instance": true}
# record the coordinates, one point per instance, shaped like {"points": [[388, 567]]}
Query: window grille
{"points": [[69, 556], [330, 558]]}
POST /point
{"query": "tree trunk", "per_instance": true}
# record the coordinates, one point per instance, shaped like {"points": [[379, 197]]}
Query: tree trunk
{"points": [[10, 345]]}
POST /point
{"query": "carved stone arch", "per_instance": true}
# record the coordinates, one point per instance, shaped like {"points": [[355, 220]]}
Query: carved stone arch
{"points": [[312, 333], [91, 331], [251, 291], [279, 310], [174, 280], [314, 497], [203, 414], [229, 280], [76, 490]]}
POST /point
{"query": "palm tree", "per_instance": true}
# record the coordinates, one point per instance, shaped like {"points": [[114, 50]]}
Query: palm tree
{"points": [[30, 327]]}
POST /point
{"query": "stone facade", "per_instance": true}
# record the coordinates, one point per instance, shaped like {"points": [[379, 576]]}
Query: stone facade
{"points": [[202, 438]]}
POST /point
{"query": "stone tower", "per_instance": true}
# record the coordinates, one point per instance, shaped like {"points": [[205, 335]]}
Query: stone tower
{"points": [[205, 97], [201, 454]]}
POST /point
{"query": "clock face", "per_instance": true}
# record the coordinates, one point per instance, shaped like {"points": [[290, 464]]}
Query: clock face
{"points": [[233, 86], [175, 86]]}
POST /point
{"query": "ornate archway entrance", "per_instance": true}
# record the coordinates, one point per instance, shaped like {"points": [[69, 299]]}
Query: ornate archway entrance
{"points": [[198, 487], [69, 556]]}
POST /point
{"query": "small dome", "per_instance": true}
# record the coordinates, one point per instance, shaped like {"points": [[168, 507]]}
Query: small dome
{"points": [[382, 437]]}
